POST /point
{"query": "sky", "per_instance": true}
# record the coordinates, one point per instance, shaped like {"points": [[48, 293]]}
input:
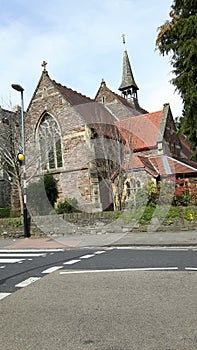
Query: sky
{"points": [[81, 41]]}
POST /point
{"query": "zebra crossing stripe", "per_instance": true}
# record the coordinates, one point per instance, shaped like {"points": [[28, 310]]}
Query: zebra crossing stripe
{"points": [[21, 255], [10, 261], [31, 250]]}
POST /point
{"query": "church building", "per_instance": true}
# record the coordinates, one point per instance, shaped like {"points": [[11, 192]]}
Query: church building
{"points": [[98, 148]]}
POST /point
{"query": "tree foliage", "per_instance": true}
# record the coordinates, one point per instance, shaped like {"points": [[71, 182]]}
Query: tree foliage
{"points": [[178, 37]]}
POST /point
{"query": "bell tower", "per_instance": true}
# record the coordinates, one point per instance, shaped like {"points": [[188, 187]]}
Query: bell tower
{"points": [[128, 86]]}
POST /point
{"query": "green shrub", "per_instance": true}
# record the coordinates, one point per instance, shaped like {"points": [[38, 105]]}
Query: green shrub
{"points": [[190, 213], [17, 222], [68, 206], [5, 212], [147, 214]]}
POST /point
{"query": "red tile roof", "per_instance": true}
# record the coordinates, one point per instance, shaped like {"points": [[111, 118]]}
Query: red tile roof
{"points": [[141, 132], [160, 165], [166, 166], [138, 162], [133, 163]]}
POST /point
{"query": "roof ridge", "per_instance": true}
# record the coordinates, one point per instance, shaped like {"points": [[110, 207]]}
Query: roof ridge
{"points": [[73, 91]]}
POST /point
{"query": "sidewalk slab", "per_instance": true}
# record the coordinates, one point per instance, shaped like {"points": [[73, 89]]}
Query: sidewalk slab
{"points": [[183, 238], [31, 243]]}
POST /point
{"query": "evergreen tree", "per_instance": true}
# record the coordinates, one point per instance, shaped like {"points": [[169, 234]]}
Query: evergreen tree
{"points": [[178, 37]]}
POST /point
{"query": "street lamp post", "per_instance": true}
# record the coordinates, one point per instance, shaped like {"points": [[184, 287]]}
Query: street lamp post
{"points": [[20, 89]]}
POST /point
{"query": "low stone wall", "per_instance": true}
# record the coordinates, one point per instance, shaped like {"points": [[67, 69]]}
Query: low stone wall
{"points": [[81, 223]]}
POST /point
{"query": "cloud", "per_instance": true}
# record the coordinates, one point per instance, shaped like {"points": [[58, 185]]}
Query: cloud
{"points": [[81, 41]]}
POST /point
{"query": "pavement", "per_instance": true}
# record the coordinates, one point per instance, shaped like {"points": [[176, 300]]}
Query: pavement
{"points": [[141, 239]]}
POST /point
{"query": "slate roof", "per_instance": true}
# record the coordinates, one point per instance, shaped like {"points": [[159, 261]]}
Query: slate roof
{"points": [[186, 149], [100, 119], [6, 116], [127, 75], [74, 97], [141, 132], [124, 102]]}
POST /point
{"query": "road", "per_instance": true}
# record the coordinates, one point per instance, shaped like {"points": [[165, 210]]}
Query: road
{"points": [[106, 299], [19, 266]]}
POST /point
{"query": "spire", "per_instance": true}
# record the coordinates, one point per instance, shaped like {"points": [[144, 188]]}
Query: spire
{"points": [[128, 85]]}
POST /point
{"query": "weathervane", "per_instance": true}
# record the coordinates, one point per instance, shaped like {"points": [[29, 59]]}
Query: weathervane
{"points": [[124, 41]]}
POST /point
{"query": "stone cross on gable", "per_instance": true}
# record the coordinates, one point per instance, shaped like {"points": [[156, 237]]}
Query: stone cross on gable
{"points": [[44, 63]]}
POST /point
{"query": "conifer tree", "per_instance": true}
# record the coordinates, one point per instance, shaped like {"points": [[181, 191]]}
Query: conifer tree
{"points": [[178, 37]]}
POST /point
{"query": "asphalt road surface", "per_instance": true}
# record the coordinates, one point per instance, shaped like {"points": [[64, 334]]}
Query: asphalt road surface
{"points": [[19, 266], [108, 299]]}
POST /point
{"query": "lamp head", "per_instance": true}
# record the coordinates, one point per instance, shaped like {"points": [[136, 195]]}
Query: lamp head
{"points": [[17, 87]]}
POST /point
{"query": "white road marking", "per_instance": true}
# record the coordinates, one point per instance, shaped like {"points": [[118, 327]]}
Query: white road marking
{"points": [[191, 268], [10, 261], [52, 269], [100, 252], [4, 295], [21, 255], [71, 262], [120, 270], [27, 282], [2, 267], [86, 256], [153, 248], [31, 250]]}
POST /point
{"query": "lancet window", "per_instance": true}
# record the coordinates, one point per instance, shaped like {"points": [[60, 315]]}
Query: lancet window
{"points": [[49, 137]]}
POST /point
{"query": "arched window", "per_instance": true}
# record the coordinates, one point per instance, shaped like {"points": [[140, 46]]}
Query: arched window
{"points": [[133, 185], [49, 137], [138, 184]]}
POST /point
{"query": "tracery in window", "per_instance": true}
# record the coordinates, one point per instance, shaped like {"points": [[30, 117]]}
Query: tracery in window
{"points": [[49, 137]]}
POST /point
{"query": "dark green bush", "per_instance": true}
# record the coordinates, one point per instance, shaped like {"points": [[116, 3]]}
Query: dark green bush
{"points": [[5, 212], [147, 214], [68, 206]]}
